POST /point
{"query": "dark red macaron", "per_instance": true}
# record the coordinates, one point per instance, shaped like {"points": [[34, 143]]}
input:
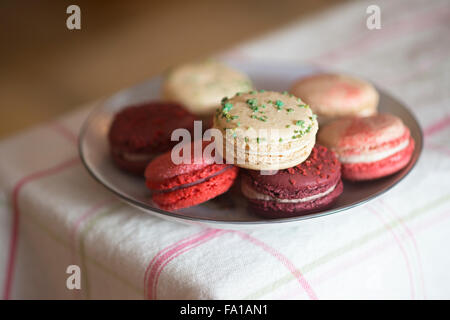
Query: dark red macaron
{"points": [[177, 186], [140, 133], [310, 186]]}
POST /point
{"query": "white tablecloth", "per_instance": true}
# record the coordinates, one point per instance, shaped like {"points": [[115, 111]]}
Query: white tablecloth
{"points": [[53, 214]]}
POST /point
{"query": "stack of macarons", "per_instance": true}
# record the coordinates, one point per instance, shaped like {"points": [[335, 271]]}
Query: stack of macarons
{"points": [[270, 136]]}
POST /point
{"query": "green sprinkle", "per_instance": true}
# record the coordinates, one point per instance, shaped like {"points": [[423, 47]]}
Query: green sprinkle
{"points": [[281, 139], [239, 94], [234, 117], [224, 99], [246, 139], [279, 103], [227, 107], [253, 117], [287, 126], [234, 135], [238, 124], [257, 140], [279, 108], [252, 102], [285, 92], [262, 90], [302, 105], [263, 106], [300, 123], [289, 109], [253, 92]]}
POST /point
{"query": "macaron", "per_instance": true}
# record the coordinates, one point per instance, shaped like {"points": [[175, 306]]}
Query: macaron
{"points": [[310, 186], [140, 133], [265, 130], [176, 186], [370, 147], [333, 96], [201, 85]]}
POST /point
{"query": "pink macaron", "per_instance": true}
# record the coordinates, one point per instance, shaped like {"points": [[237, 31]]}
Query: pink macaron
{"points": [[333, 96], [370, 147]]}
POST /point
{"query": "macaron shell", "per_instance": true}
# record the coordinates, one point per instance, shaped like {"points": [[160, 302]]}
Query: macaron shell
{"points": [[201, 86], [196, 194], [163, 173], [381, 168], [144, 131], [315, 175], [148, 127], [269, 130], [337, 95], [277, 210]]}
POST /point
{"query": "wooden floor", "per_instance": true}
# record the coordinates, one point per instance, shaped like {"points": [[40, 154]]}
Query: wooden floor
{"points": [[47, 70]]}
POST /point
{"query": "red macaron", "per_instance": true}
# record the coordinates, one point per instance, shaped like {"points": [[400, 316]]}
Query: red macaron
{"points": [[176, 186], [369, 147], [310, 186], [140, 133]]}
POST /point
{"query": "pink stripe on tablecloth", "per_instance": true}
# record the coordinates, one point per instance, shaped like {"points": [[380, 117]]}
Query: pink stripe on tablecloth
{"points": [[160, 261], [372, 252], [92, 210], [63, 131], [442, 149], [74, 230], [185, 249], [16, 212], [169, 255], [284, 260], [16, 216], [408, 24], [402, 249], [163, 251], [413, 238], [437, 126]]}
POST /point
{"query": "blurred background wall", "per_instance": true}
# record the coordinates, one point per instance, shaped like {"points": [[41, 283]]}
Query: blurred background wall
{"points": [[47, 70]]}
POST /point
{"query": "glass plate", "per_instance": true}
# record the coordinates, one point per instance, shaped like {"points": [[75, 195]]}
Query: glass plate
{"points": [[228, 211]]}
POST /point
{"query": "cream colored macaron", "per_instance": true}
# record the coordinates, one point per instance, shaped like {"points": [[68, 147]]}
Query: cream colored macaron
{"points": [[265, 130], [334, 96], [200, 86]]}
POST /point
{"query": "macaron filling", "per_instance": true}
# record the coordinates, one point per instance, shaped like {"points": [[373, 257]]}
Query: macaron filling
{"points": [[251, 193], [134, 157], [374, 156]]}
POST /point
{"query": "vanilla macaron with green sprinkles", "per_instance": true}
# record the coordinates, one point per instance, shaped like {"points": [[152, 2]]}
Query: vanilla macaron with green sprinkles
{"points": [[200, 86], [265, 130]]}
